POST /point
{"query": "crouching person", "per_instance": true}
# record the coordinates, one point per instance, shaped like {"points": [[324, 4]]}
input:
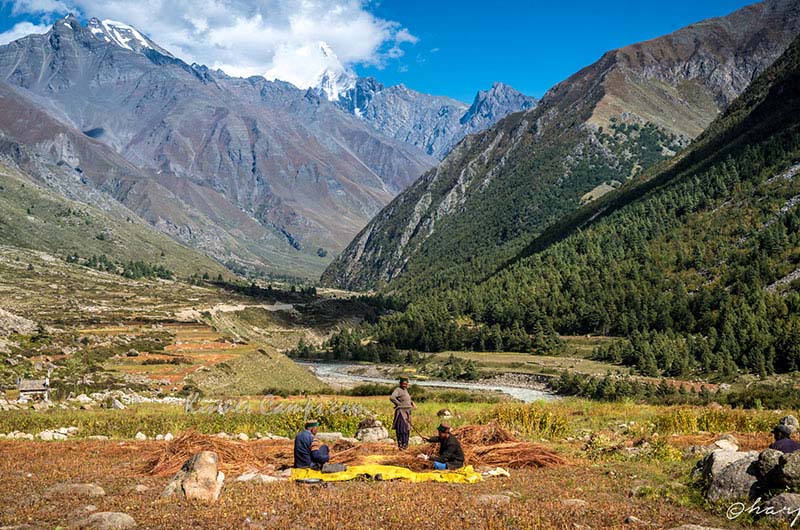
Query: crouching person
{"points": [[308, 451], [450, 456]]}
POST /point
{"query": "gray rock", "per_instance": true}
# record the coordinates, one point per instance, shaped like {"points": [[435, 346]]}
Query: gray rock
{"points": [[737, 480], [785, 506], [574, 503], [372, 434], [493, 499], [768, 467], [790, 469], [632, 519], [75, 490], [199, 479], [243, 437], [715, 462], [140, 436], [791, 422], [46, 436], [117, 404], [108, 521], [329, 436]]}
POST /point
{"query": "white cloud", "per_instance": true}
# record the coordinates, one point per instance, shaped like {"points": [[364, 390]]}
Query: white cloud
{"points": [[276, 38], [21, 29]]}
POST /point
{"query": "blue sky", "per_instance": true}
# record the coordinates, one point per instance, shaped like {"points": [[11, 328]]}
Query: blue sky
{"points": [[444, 47], [529, 45]]}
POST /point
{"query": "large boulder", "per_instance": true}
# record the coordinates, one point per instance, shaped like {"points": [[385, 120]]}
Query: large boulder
{"points": [[768, 467], [199, 479], [713, 464], [372, 434], [785, 506], [737, 480], [791, 422], [790, 470]]}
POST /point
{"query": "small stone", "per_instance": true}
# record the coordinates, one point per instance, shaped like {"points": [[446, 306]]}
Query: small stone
{"points": [[47, 436], [168, 437], [493, 499], [108, 521], [243, 437], [632, 519], [117, 404], [76, 490], [140, 488], [159, 437], [574, 503], [97, 437], [140, 436]]}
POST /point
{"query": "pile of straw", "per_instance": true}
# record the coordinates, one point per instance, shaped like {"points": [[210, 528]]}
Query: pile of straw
{"points": [[488, 434], [484, 446], [234, 456]]}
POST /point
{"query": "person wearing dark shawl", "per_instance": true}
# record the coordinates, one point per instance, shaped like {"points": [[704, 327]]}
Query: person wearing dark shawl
{"points": [[403, 404], [308, 451], [450, 456], [783, 440]]}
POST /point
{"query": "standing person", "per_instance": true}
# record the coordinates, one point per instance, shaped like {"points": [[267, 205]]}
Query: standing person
{"points": [[308, 451], [450, 456], [402, 413]]}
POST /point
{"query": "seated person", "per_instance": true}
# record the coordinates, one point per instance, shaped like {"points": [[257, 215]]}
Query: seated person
{"points": [[783, 440], [450, 456], [308, 451]]}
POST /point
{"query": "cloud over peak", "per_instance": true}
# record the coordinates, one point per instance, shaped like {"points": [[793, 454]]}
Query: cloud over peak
{"points": [[279, 39]]}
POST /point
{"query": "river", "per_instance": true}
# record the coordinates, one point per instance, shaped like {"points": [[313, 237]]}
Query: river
{"points": [[345, 375]]}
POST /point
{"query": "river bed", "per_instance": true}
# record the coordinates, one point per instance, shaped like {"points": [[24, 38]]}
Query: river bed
{"points": [[349, 375]]}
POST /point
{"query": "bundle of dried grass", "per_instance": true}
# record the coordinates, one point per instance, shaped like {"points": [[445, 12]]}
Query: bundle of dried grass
{"points": [[234, 456], [516, 455], [488, 434]]}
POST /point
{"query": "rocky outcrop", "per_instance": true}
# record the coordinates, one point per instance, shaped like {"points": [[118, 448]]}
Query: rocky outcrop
{"points": [[735, 480], [433, 124], [372, 430], [199, 479], [14, 324]]}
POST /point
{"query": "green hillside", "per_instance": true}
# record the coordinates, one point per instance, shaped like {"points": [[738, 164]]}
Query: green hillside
{"points": [[35, 218], [697, 265]]}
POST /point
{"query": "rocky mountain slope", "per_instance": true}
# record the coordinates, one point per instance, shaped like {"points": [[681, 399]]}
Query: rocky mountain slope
{"points": [[608, 122], [285, 174], [433, 124]]}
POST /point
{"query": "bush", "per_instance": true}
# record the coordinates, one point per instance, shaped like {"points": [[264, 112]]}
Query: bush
{"points": [[531, 419]]}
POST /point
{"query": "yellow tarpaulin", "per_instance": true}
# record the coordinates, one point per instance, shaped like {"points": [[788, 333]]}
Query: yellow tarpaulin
{"points": [[465, 475]]}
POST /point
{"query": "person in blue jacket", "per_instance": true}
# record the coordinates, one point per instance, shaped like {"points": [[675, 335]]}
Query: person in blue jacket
{"points": [[308, 451]]}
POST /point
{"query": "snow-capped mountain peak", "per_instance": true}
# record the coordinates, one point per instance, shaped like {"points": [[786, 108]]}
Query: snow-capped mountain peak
{"points": [[336, 79], [123, 35]]}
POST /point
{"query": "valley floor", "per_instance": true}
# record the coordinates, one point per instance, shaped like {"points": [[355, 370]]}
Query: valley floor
{"points": [[543, 498]]}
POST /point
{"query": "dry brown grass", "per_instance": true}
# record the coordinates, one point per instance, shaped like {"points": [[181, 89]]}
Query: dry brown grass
{"points": [[29, 469]]}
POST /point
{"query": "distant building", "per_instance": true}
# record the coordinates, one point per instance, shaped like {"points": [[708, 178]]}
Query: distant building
{"points": [[34, 389]]}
